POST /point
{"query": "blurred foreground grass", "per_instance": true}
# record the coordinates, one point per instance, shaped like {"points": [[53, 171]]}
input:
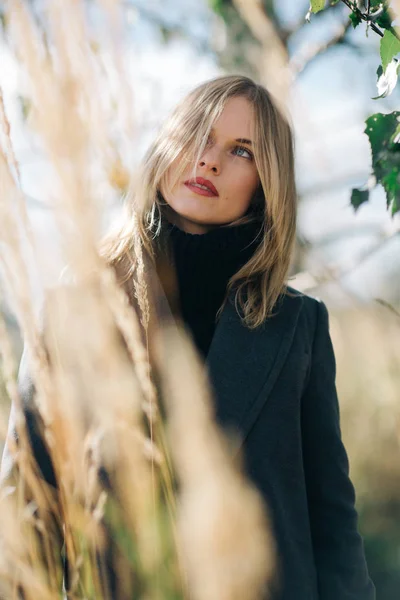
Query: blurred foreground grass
{"points": [[366, 341], [141, 489], [98, 350], [368, 382]]}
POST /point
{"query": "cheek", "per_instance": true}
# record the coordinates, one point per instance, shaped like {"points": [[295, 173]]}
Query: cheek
{"points": [[167, 182], [177, 171], [243, 187], [168, 187]]}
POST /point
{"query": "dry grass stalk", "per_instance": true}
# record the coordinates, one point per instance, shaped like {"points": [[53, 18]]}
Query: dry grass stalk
{"points": [[8, 369], [368, 384], [211, 512], [13, 264], [92, 368], [5, 126]]}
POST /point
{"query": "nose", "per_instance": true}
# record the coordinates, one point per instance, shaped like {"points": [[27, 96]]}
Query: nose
{"points": [[210, 161]]}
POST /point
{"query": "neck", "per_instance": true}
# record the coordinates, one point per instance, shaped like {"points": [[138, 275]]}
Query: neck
{"points": [[203, 266], [187, 225]]}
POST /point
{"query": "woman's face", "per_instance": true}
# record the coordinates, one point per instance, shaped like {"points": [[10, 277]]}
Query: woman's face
{"points": [[227, 169]]}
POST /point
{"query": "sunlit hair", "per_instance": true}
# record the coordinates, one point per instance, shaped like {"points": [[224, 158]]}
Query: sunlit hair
{"points": [[260, 282]]}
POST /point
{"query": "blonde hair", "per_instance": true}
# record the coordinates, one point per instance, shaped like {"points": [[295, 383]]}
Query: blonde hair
{"points": [[262, 280]]}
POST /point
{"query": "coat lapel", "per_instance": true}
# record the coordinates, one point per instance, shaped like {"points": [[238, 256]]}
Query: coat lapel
{"points": [[244, 364]]}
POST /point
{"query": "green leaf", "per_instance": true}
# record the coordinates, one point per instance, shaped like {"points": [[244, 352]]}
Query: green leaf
{"points": [[217, 6], [358, 197], [395, 139], [385, 20], [381, 130], [355, 18], [391, 183], [388, 79], [390, 46], [395, 206], [317, 5]]}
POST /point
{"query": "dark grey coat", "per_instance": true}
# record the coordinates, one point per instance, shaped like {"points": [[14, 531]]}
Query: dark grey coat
{"points": [[275, 386]]}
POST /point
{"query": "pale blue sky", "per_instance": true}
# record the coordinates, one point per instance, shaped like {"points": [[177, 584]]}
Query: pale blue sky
{"points": [[329, 103]]}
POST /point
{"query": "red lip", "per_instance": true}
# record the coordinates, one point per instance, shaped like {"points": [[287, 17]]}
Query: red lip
{"points": [[202, 181]]}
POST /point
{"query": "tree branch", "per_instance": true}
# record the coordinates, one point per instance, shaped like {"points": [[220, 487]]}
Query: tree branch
{"points": [[332, 274], [274, 70], [387, 305], [286, 33], [301, 61], [395, 9], [367, 17]]}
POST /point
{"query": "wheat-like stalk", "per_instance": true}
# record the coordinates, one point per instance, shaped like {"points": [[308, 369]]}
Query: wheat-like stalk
{"points": [[96, 362]]}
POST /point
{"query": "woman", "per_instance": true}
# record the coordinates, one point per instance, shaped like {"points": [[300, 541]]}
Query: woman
{"points": [[218, 198], [217, 201]]}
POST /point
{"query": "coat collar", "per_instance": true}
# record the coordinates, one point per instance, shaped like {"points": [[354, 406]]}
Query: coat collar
{"points": [[243, 364]]}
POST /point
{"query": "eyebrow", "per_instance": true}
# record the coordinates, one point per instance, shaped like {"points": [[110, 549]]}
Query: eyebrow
{"points": [[244, 141], [240, 140]]}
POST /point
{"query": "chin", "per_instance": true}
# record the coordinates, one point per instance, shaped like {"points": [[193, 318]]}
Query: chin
{"points": [[186, 210], [192, 222]]}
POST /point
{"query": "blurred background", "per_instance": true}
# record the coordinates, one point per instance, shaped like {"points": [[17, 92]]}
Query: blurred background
{"points": [[326, 72]]}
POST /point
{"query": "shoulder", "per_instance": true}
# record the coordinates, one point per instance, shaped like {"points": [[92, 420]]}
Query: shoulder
{"points": [[310, 303], [313, 311]]}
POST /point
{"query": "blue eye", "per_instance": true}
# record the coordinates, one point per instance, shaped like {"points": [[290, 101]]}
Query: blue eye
{"points": [[242, 149]]}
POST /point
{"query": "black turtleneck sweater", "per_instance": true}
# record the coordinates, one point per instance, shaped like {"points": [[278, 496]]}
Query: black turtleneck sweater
{"points": [[204, 263]]}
